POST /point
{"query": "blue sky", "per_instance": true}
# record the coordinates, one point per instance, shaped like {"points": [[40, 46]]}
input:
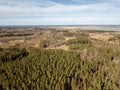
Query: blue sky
{"points": [[59, 12]]}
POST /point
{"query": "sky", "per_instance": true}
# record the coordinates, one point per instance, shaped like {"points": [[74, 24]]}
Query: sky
{"points": [[59, 12]]}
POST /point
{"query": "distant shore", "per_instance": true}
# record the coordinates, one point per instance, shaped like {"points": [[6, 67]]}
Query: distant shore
{"points": [[81, 27]]}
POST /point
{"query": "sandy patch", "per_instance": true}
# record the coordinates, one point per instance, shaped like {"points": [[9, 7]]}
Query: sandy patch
{"points": [[103, 37], [64, 47], [68, 38]]}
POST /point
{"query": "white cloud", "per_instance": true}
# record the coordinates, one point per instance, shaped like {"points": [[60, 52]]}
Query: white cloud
{"points": [[49, 12], [61, 21]]}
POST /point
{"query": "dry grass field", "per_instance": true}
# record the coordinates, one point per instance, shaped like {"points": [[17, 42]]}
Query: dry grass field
{"points": [[53, 37]]}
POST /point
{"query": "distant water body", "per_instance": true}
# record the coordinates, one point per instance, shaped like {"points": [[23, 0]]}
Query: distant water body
{"points": [[82, 27], [89, 27]]}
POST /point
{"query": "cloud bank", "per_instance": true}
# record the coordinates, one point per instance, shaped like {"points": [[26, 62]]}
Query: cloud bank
{"points": [[59, 12]]}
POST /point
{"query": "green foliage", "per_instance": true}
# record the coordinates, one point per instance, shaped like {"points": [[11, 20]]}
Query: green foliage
{"points": [[11, 35], [45, 43], [117, 37], [57, 31], [112, 39], [62, 70], [69, 34], [80, 40], [59, 38], [95, 31], [82, 34], [1, 49], [12, 54], [81, 46]]}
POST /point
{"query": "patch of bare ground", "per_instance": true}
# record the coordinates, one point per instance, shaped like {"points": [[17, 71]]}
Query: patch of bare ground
{"points": [[100, 43], [100, 36], [103, 38], [61, 45], [68, 38], [36, 41], [64, 47], [11, 43]]}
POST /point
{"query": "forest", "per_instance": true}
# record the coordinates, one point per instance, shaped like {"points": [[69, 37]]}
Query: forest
{"points": [[37, 69]]}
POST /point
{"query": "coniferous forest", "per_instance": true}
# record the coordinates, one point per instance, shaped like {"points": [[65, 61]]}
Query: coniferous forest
{"points": [[37, 69]]}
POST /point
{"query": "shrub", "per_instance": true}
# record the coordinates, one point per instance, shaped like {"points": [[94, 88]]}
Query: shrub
{"points": [[59, 38], [117, 37], [81, 46], [83, 34], [69, 34], [80, 40], [12, 54], [112, 39]]}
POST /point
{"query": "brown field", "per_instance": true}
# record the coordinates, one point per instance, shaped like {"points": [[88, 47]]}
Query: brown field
{"points": [[55, 38]]}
